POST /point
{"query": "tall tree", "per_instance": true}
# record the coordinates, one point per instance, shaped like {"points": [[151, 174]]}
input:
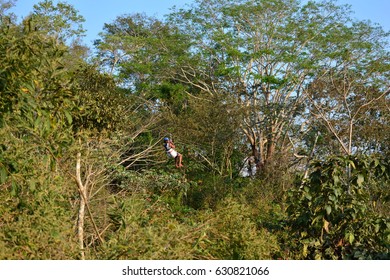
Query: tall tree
{"points": [[61, 20], [262, 54], [259, 52], [350, 92], [36, 98], [140, 50], [5, 5]]}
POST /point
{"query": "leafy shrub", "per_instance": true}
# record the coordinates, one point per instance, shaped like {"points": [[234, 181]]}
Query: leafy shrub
{"points": [[150, 226], [332, 214], [37, 220], [233, 234]]}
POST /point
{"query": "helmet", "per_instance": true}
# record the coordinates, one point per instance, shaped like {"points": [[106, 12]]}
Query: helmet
{"points": [[166, 139]]}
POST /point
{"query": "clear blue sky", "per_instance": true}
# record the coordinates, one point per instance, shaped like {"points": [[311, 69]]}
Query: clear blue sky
{"points": [[98, 12]]}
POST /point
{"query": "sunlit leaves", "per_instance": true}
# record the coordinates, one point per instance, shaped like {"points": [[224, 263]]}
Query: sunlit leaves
{"points": [[334, 206], [61, 20]]}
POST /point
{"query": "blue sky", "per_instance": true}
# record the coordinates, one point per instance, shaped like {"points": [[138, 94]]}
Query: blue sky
{"points": [[98, 12]]}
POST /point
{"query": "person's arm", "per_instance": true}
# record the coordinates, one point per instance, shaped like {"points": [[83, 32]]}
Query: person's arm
{"points": [[171, 144]]}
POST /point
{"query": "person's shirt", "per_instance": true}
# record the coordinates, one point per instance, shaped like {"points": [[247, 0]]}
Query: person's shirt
{"points": [[167, 146]]}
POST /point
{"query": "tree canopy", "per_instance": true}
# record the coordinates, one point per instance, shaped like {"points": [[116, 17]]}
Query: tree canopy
{"points": [[296, 93]]}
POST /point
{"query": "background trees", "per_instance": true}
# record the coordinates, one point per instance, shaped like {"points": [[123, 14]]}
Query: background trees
{"points": [[253, 52], [296, 86], [61, 21], [352, 84], [37, 100]]}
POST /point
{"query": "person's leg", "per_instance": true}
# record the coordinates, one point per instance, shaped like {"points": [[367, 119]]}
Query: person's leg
{"points": [[178, 160], [181, 159]]}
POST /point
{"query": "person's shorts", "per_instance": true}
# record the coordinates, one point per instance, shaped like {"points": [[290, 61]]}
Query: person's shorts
{"points": [[172, 153]]}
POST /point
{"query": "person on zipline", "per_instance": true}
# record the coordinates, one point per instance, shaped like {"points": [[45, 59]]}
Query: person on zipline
{"points": [[171, 152]]}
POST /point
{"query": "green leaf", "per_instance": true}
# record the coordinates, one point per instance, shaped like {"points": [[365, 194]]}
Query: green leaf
{"points": [[360, 179], [14, 188], [308, 196], [68, 117], [3, 175], [326, 226], [328, 209], [304, 250], [336, 179], [350, 237], [32, 185]]}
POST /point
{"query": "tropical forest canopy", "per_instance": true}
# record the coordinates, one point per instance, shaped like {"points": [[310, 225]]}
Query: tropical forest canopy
{"points": [[280, 109]]}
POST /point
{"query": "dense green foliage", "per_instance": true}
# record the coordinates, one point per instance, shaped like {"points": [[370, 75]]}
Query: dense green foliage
{"points": [[335, 214], [303, 89]]}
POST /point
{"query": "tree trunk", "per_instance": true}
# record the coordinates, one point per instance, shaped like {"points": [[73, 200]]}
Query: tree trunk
{"points": [[270, 151], [81, 214]]}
